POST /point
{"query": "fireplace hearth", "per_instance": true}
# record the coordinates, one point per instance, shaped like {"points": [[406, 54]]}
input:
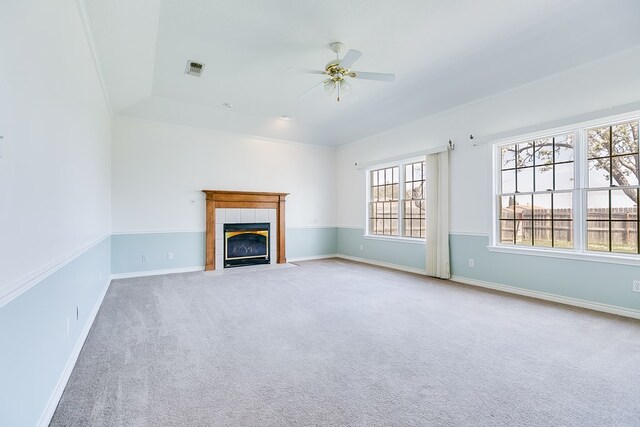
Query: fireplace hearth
{"points": [[246, 244]]}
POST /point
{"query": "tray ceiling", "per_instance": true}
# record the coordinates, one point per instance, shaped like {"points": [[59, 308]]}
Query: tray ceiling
{"points": [[444, 54]]}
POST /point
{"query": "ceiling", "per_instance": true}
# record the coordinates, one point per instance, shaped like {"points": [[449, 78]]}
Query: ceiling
{"points": [[443, 53]]}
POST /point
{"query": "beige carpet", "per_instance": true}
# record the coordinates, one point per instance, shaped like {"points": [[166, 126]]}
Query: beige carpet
{"points": [[339, 343]]}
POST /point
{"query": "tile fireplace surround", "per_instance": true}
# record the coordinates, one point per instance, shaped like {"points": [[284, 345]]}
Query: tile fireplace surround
{"points": [[241, 216], [233, 207]]}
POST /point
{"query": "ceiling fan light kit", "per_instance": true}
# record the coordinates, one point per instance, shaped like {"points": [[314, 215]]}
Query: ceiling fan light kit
{"points": [[339, 69]]}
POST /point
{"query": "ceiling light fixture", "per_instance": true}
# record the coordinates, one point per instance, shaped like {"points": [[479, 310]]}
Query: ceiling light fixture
{"points": [[337, 70], [285, 117], [227, 105]]}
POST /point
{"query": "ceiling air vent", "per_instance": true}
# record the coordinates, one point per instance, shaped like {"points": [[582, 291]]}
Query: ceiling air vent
{"points": [[194, 68]]}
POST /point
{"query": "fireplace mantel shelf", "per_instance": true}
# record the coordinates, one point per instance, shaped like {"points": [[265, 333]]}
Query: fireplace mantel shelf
{"points": [[243, 200]]}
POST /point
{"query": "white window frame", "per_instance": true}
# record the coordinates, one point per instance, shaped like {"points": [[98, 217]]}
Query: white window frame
{"points": [[401, 180], [579, 251]]}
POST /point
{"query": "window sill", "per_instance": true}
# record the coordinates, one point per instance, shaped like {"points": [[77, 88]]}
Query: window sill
{"points": [[413, 240], [568, 254]]}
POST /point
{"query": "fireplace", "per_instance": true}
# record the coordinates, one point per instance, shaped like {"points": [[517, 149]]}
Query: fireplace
{"points": [[219, 201], [246, 244]]}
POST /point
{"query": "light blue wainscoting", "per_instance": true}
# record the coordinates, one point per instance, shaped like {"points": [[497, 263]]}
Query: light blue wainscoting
{"points": [[143, 252], [311, 242], [404, 254], [188, 249], [35, 347], [595, 282]]}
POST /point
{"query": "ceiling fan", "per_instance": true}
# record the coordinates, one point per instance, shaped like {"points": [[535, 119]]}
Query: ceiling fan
{"points": [[337, 70]]}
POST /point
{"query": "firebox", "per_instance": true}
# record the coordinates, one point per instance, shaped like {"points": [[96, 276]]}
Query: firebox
{"points": [[246, 244]]}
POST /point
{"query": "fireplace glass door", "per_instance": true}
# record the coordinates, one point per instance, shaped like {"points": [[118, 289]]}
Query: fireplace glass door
{"points": [[246, 244]]}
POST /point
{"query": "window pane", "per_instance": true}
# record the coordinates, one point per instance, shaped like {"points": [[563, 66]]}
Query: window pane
{"points": [[544, 151], [418, 191], [562, 206], [418, 227], [544, 178], [407, 227], [598, 141], [542, 231], [507, 206], [598, 236], [564, 176], [508, 156], [564, 148], [509, 181], [525, 180], [563, 234], [506, 231], [624, 170], [523, 232], [525, 154], [623, 237], [599, 173], [394, 227], [374, 178], [523, 207], [598, 205], [395, 175], [625, 138], [417, 171], [542, 206], [624, 204]]}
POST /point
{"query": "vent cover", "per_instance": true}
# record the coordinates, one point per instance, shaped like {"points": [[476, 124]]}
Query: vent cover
{"points": [[194, 68]]}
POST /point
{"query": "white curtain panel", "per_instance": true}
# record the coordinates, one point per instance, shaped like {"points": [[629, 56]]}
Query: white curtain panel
{"points": [[437, 213]]}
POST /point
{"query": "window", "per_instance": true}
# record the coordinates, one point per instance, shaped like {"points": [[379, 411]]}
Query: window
{"points": [[414, 217], [575, 190], [537, 179], [383, 217], [612, 196], [395, 209]]}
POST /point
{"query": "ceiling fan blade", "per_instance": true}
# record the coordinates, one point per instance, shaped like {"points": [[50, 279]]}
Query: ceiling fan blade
{"points": [[351, 57], [311, 89], [382, 77], [307, 71]]}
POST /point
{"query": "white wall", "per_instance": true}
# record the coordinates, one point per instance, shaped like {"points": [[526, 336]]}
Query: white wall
{"points": [[606, 83], [55, 165], [158, 169]]}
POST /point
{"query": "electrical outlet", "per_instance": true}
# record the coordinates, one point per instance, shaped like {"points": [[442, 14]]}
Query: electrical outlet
{"points": [[472, 262], [636, 286], [169, 255], [362, 247], [145, 258]]}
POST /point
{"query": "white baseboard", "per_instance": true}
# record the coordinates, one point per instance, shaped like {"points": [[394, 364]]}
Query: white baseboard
{"points": [[52, 404], [156, 272], [311, 258], [605, 308], [384, 264]]}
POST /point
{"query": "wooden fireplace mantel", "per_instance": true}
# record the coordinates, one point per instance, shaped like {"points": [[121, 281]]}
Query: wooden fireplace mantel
{"points": [[242, 200]]}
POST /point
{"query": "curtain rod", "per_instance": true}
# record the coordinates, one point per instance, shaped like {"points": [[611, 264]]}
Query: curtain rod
{"points": [[439, 149]]}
